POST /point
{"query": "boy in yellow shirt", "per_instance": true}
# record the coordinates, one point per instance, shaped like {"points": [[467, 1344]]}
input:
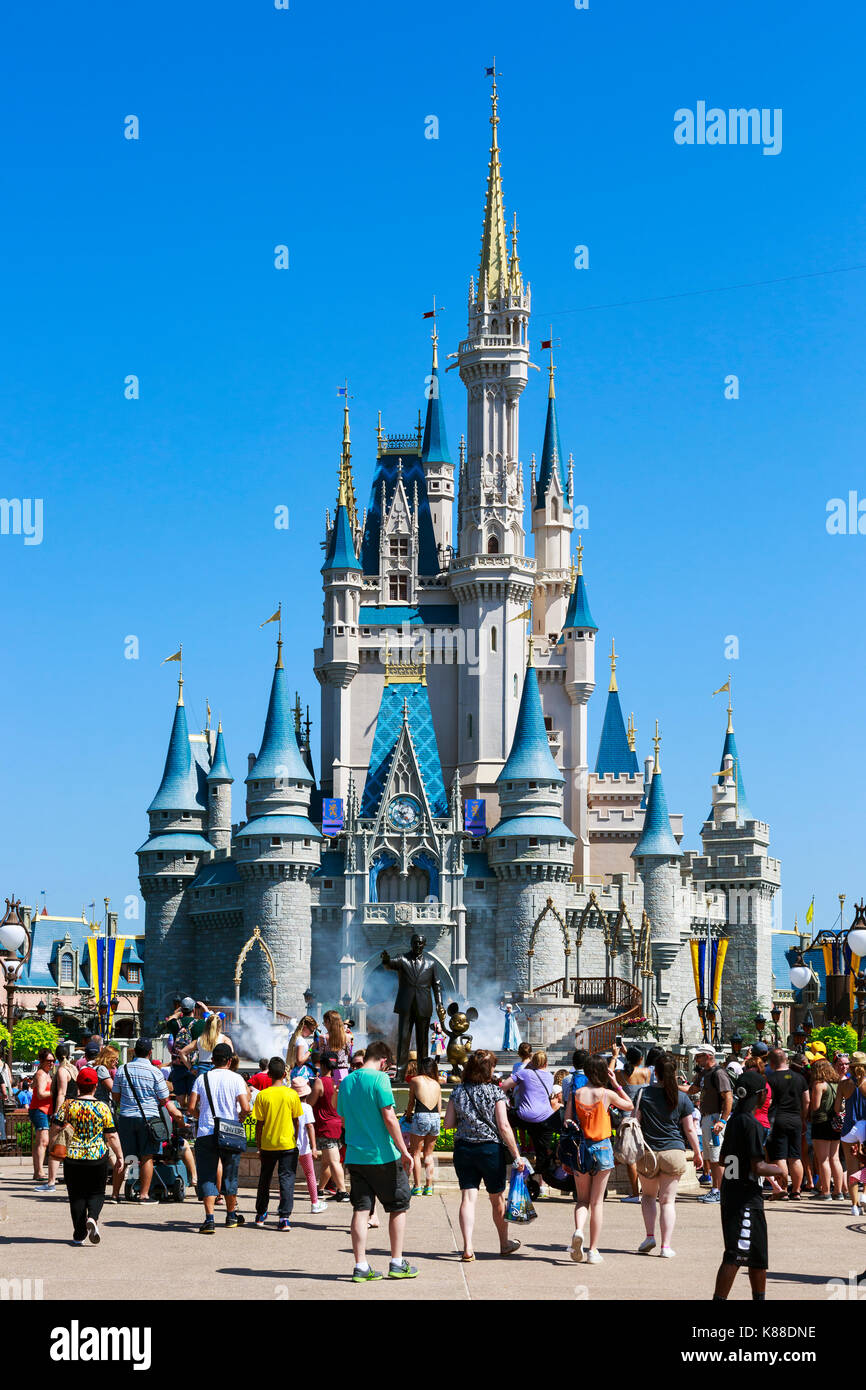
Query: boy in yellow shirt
{"points": [[277, 1113]]}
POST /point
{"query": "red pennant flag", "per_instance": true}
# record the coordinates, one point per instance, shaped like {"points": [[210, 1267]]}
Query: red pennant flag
{"points": [[548, 343], [431, 314]]}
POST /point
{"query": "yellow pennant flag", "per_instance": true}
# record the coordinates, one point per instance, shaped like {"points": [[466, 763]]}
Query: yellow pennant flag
{"points": [[274, 618], [527, 613], [178, 656], [726, 686], [810, 911]]}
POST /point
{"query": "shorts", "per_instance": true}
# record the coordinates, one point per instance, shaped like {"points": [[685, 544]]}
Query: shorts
{"points": [[39, 1120], [207, 1156], [823, 1130], [181, 1080], [383, 1182], [135, 1137], [784, 1139], [856, 1134], [744, 1230], [423, 1124], [477, 1163], [596, 1156], [712, 1143], [328, 1143]]}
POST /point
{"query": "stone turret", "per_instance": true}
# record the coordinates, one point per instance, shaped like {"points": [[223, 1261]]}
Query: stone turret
{"points": [[657, 856], [219, 785]]}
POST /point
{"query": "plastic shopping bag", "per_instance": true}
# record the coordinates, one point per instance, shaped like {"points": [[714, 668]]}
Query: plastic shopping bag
{"points": [[519, 1205]]}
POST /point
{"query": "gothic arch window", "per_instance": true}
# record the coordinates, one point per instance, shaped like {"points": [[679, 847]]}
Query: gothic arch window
{"points": [[554, 508], [67, 968], [494, 327], [493, 639], [493, 546], [515, 685], [392, 887]]}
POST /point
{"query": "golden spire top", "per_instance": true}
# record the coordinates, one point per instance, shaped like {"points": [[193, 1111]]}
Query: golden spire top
{"points": [[613, 685], [529, 657], [551, 389], [219, 726], [279, 665], [180, 688], [631, 733], [730, 712], [573, 577], [346, 487], [494, 245], [580, 554], [657, 738], [515, 278]]}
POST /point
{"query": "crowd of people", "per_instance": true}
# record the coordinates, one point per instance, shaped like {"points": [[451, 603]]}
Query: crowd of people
{"points": [[759, 1127]]}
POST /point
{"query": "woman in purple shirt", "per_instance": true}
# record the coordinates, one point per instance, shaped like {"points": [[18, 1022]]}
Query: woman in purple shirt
{"points": [[531, 1088]]}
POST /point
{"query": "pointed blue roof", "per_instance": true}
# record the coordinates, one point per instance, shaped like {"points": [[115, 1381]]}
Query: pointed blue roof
{"points": [[279, 755], [730, 749], [219, 771], [435, 446], [578, 614], [657, 838], [551, 454], [388, 725], [530, 758], [413, 475], [614, 754], [179, 788], [340, 554]]}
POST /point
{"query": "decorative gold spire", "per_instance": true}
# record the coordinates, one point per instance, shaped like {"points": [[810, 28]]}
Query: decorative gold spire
{"points": [[177, 656], [572, 577], [529, 657], [515, 279], [613, 685], [551, 389], [657, 738], [631, 733], [730, 713], [219, 726], [346, 489], [494, 247], [279, 665], [580, 554]]}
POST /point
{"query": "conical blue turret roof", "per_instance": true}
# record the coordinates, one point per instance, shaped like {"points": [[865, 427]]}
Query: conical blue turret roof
{"points": [[730, 749], [551, 454], [614, 753], [340, 554], [578, 614], [219, 771], [434, 449], [279, 755], [657, 838], [530, 758], [179, 788]]}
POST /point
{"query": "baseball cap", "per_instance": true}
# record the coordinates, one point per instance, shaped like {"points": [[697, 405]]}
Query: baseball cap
{"points": [[751, 1083], [734, 1069], [87, 1077], [187, 1002], [705, 1052], [221, 1053], [760, 1049], [92, 1049]]}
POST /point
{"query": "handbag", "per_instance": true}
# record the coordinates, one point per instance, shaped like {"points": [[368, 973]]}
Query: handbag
{"points": [[230, 1135], [519, 1205], [156, 1126], [570, 1140], [58, 1148], [648, 1163]]}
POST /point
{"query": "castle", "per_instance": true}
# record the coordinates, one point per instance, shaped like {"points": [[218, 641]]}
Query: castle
{"points": [[455, 794]]}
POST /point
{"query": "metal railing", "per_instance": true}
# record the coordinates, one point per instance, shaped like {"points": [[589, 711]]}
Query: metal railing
{"points": [[597, 992]]}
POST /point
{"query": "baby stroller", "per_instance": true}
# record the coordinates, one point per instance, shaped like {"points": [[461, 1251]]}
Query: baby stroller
{"points": [[169, 1173]]}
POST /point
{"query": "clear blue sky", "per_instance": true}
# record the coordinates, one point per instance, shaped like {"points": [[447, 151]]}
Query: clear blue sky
{"points": [[306, 127]]}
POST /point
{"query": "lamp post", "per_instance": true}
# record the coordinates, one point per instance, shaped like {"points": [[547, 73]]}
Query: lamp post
{"points": [[13, 935], [854, 938], [860, 996], [308, 999], [736, 1043], [760, 1025], [775, 1015]]}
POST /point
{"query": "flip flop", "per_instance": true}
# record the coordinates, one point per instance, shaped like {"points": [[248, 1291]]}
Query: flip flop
{"points": [[467, 1259]]}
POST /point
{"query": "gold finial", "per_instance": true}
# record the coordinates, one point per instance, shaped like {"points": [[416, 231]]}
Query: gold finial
{"points": [[279, 665], [573, 577], [379, 435], [613, 685], [551, 390], [219, 726], [580, 554], [493, 271], [657, 738], [346, 484], [529, 657], [631, 733], [730, 712]]}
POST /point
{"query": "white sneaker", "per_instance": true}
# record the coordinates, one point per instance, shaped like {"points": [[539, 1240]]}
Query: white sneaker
{"points": [[649, 1243], [576, 1248], [667, 1253], [855, 1210], [318, 1207], [593, 1258], [93, 1231]]}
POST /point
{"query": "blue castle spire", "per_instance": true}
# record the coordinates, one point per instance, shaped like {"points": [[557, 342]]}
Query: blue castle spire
{"points": [[179, 788], [434, 448], [551, 453], [340, 553], [730, 750], [615, 753], [578, 614], [279, 756], [530, 757], [657, 838], [219, 771]]}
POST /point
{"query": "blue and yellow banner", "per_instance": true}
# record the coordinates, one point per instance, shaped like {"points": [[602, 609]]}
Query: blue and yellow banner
{"points": [[106, 957]]}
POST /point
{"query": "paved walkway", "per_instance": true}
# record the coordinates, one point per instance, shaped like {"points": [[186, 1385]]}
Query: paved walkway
{"points": [[154, 1251]]}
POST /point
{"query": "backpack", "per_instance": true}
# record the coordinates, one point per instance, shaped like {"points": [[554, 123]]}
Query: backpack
{"points": [[630, 1145]]}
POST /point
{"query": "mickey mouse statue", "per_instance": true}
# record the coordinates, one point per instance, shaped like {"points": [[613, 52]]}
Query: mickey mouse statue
{"points": [[459, 1040]]}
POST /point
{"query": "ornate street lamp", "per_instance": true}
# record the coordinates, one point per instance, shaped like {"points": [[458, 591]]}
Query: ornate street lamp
{"points": [[775, 1015], [808, 1023], [736, 1043], [854, 939], [41, 1007], [308, 999], [13, 936], [760, 1024]]}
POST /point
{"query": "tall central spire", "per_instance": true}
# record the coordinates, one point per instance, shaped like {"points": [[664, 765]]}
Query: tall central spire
{"points": [[346, 492], [494, 268]]}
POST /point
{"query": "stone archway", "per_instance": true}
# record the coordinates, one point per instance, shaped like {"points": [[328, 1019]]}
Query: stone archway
{"points": [[256, 940], [548, 909], [373, 1004]]}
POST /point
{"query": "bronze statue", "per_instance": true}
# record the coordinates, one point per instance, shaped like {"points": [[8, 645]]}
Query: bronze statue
{"points": [[459, 1040], [418, 987]]}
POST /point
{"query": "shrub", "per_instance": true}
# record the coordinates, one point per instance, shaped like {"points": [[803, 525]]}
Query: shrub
{"points": [[31, 1034], [836, 1037]]}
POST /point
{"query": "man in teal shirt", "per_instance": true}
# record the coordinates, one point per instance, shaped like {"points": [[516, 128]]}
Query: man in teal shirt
{"points": [[378, 1161]]}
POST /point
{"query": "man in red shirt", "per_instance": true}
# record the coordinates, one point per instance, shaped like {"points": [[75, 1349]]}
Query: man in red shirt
{"points": [[261, 1081]]}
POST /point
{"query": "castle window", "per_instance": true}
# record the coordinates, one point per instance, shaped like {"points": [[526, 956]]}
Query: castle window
{"points": [[185, 815], [256, 786], [328, 883], [189, 859], [228, 892], [548, 723], [493, 546], [398, 588], [133, 974], [533, 786], [479, 884], [66, 963], [554, 508], [213, 892], [247, 843], [493, 639], [307, 844], [160, 857], [434, 486], [399, 548], [469, 725], [275, 841], [515, 685], [533, 843], [165, 815]]}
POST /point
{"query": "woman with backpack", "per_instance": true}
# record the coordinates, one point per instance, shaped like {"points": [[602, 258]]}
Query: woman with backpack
{"points": [[852, 1096], [589, 1106], [667, 1119], [826, 1131]]}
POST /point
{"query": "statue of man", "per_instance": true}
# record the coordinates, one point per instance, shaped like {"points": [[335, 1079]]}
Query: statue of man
{"points": [[418, 987]]}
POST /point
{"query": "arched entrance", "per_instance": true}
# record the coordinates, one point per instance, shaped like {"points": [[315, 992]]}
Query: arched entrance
{"points": [[255, 940], [372, 1004]]}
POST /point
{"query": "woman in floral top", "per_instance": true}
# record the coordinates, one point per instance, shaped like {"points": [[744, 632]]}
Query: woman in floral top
{"points": [[482, 1143], [87, 1128]]}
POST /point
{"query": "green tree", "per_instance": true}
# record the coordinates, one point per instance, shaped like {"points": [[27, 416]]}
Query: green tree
{"points": [[836, 1037], [742, 1021], [4, 1033], [31, 1034]]}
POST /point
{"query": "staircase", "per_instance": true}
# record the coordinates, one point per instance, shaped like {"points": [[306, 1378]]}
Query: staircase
{"points": [[589, 1013]]}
